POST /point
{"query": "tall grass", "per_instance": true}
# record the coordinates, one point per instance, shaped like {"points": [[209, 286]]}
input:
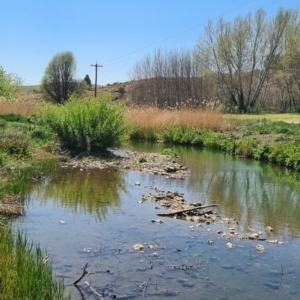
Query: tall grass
{"points": [[160, 119], [23, 272], [19, 181], [17, 108]]}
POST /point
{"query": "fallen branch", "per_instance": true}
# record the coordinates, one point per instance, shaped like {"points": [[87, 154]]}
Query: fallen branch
{"points": [[82, 275], [172, 213], [93, 290]]}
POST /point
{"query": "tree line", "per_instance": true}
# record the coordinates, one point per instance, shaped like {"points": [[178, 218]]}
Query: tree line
{"points": [[249, 64]]}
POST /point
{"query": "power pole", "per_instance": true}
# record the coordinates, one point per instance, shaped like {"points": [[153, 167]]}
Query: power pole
{"points": [[96, 71]]}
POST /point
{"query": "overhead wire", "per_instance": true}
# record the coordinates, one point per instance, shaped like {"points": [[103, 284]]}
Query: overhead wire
{"points": [[181, 32], [175, 35]]}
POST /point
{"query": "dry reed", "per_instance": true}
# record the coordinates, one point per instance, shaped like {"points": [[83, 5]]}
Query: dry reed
{"points": [[17, 108], [159, 119]]}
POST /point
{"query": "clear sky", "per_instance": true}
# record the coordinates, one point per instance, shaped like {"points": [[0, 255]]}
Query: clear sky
{"points": [[115, 33]]}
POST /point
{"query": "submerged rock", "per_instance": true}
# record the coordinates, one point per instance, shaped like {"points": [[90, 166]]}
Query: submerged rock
{"points": [[269, 229], [260, 248]]}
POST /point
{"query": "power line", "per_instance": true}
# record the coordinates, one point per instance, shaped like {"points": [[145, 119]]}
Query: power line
{"points": [[180, 33], [114, 63]]}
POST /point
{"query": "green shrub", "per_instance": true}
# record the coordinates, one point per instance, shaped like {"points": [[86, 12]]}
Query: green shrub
{"points": [[3, 158], [179, 134], [142, 159], [16, 145], [146, 134], [87, 124], [169, 151]]}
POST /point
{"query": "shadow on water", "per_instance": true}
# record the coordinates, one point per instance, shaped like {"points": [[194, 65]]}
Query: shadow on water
{"points": [[103, 220]]}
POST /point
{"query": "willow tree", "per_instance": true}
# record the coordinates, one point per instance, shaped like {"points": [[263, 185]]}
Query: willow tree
{"points": [[240, 53], [286, 69], [58, 81]]}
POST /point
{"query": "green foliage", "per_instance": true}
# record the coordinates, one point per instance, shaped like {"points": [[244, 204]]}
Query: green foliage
{"points": [[23, 272], [169, 151], [9, 84], [3, 158], [142, 159], [87, 124], [145, 134], [58, 81], [14, 118], [179, 134], [246, 147], [15, 145]]}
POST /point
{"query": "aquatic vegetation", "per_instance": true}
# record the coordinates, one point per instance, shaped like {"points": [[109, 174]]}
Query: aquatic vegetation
{"points": [[24, 272]]}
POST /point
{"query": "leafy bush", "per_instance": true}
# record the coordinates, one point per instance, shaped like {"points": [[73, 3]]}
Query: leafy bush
{"points": [[9, 84], [87, 124], [179, 134], [142, 159], [16, 145], [147, 134], [3, 158], [169, 151]]}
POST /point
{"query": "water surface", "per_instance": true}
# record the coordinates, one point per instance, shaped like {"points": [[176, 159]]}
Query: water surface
{"points": [[103, 220]]}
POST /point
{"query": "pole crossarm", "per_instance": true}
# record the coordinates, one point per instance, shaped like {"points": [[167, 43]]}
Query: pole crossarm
{"points": [[96, 73]]}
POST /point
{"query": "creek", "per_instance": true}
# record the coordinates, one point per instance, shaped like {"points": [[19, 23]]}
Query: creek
{"points": [[94, 215]]}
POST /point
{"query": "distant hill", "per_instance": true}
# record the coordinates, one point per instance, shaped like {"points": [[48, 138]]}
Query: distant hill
{"points": [[31, 94]]}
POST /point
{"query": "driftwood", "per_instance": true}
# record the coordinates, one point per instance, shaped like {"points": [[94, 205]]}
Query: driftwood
{"points": [[93, 290], [172, 213], [82, 275]]}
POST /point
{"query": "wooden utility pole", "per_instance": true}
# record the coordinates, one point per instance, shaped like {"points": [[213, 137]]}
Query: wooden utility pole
{"points": [[96, 72]]}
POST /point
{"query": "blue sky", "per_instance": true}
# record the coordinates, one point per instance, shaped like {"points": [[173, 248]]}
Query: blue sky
{"points": [[115, 33]]}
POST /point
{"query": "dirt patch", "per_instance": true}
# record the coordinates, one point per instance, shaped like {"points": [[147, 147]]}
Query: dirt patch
{"points": [[12, 205]]}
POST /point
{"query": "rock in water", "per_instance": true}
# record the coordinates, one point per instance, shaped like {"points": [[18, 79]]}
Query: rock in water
{"points": [[229, 245], [138, 247], [260, 248]]}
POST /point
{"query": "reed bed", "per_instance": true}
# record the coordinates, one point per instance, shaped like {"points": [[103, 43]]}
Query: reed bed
{"points": [[17, 108], [160, 119], [24, 272]]}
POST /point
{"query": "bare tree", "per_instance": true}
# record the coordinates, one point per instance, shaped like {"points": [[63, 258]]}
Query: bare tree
{"points": [[240, 54], [169, 79]]}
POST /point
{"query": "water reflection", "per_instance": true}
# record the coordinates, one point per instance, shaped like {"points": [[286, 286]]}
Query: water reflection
{"points": [[253, 193], [250, 192], [89, 191]]}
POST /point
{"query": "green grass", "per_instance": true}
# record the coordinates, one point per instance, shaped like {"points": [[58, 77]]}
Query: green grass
{"points": [[288, 118], [23, 272]]}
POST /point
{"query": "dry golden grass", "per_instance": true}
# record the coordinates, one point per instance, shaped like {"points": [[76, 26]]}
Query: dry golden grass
{"points": [[17, 108], [159, 119]]}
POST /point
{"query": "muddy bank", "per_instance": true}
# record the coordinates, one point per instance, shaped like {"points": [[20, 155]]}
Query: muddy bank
{"points": [[12, 206], [153, 163]]}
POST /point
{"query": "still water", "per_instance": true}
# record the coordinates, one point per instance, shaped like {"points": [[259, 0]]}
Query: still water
{"points": [[103, 220]]}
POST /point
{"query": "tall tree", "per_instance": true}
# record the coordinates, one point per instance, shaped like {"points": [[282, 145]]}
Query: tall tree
{"points": [[240, 54], [58, 81]]}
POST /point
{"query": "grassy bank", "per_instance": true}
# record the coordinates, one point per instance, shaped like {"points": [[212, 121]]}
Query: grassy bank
{"points": [[28, 149], [277, 142], [26, 153], [24, 270]]}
